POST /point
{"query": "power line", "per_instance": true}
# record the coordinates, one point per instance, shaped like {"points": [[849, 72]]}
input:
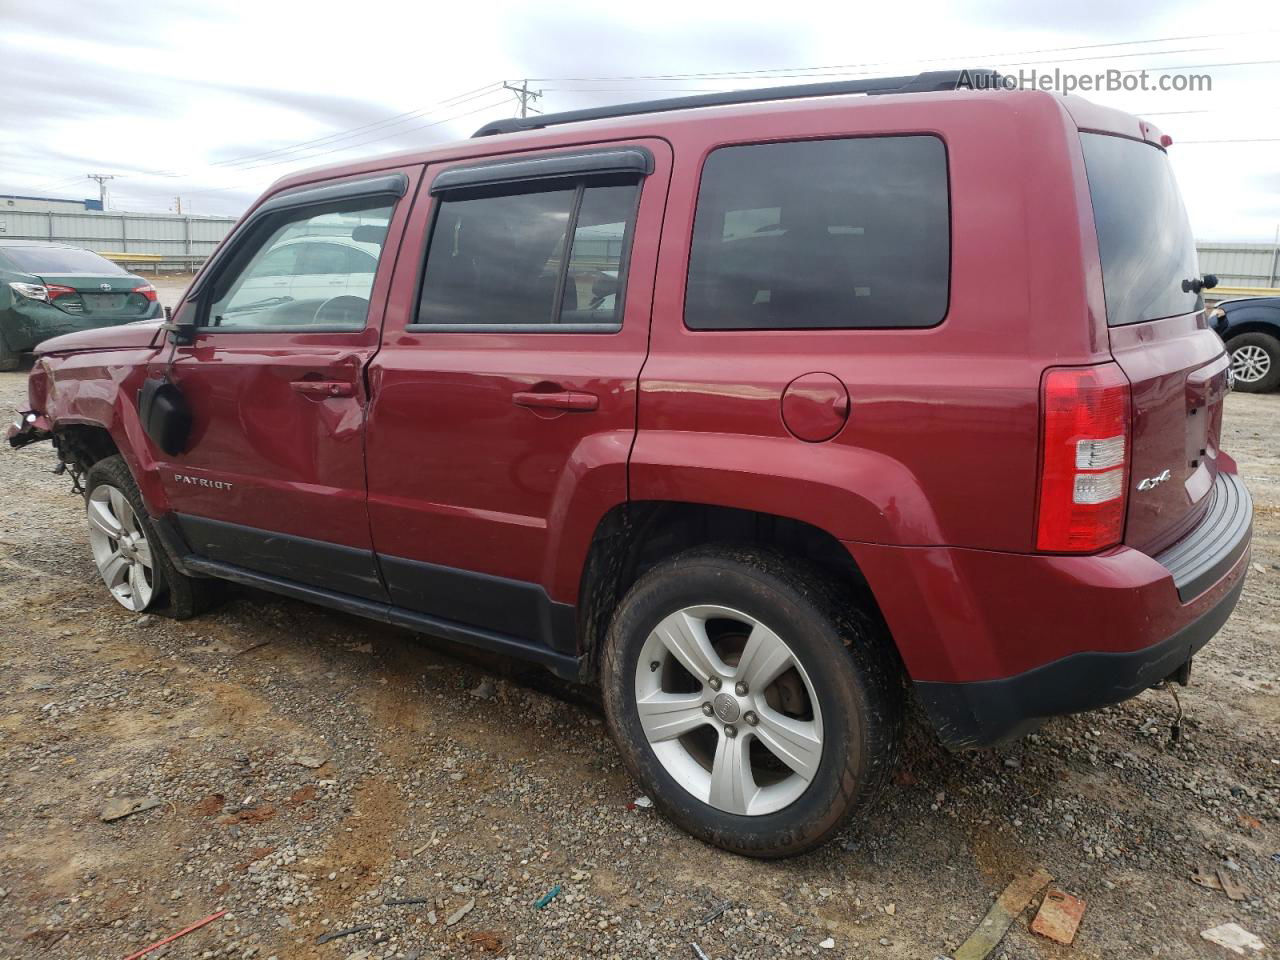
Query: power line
{"points": [[251, 183], [351, 131], [351, 146], [879, 63]]}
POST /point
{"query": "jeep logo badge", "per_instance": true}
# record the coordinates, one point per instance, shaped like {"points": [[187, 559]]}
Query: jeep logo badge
{"points": [[1152, 482], [726, 708]]}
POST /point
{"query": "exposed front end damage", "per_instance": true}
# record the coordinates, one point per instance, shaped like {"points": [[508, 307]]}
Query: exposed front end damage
{"points": [[30, 427]]}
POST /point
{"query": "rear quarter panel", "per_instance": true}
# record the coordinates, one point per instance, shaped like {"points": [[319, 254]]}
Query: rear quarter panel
{"points": [[942, 442]]}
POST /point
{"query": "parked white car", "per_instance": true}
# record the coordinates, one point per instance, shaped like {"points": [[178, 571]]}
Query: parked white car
{"points": [[307, 268]]}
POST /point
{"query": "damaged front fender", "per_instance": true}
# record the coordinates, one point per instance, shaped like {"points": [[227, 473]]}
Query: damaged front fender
{"points": [[31, 427]]}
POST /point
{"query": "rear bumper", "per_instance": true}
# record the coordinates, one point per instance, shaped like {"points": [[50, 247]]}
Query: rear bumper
{"points": [[996, 643], [29, 323], [988, 712]]}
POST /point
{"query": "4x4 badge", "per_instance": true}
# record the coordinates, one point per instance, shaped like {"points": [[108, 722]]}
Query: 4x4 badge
{"points": [[1152, 482]]}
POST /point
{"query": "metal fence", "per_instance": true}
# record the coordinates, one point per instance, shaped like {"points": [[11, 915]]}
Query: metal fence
{"points": [[176, 241], [157, 240], [1241, 264]]}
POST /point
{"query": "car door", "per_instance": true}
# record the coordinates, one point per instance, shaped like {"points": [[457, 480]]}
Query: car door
{"points": [[272, 479], [505, 391]]}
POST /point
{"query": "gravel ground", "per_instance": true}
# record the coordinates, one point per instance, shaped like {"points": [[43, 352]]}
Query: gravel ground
{"points": [[170, 286], [311, 769]]}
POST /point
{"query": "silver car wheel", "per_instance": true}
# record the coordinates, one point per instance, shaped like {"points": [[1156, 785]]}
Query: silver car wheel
{"points": [[1250, 363], [729, 710], [120, 548]]}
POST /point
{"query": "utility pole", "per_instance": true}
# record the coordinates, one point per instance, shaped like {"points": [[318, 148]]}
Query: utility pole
{"points": [[102, 179], [524, 95], [177, 204]]}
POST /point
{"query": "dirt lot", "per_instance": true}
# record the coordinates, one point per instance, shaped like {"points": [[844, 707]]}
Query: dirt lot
{"points": [[309, 767]]}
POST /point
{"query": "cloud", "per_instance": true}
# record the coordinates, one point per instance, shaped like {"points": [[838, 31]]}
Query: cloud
{"points": [[1132, 20], [68, 89], [118, 23]]}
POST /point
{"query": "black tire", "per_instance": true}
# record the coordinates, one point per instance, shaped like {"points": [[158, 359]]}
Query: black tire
{"points": [[177, 596], [1268, 345], [855, 675]]}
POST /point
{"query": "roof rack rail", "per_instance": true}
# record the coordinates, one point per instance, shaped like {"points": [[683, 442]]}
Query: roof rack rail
{"points": [[928, 82]]}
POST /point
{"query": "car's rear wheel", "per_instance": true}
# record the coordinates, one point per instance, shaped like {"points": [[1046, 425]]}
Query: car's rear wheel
{"points": [[129, 556], [750, 700], [1255, 362]]}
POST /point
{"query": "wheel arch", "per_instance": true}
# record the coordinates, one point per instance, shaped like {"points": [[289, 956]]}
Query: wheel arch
{"points": [[81, 445], [1255, 320], [89, 401], [633, 537]]}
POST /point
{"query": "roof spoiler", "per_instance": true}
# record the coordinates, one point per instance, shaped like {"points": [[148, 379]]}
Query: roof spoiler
{"points": [[932, 81]]}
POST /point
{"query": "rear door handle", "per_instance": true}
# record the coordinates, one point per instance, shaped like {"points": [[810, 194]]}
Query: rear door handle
{"points": [[324, 388], [561, 400]]}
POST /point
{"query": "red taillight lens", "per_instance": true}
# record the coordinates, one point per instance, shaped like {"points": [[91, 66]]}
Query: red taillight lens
{"points": [[56, 290], [1085, 465], [147, 290]]}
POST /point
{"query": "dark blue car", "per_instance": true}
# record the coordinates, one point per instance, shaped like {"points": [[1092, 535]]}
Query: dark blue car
{"points": [[1251, 330]]}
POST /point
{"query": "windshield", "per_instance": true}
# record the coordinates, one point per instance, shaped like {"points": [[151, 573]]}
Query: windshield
{"points": [[1144, 238]]}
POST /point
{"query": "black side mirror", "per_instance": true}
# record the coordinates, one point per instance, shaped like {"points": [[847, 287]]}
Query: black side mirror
{"points": [[180, 334], [165, 415]]}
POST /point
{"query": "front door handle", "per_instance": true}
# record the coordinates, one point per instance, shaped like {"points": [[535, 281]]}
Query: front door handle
{"points": [[560, 400], [324, 388]]}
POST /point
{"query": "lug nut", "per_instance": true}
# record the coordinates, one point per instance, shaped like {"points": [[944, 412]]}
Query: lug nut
{"points": [[708, 709], [741, 689], [751, 718], [714, 683], [654, 666], [730, 732]]}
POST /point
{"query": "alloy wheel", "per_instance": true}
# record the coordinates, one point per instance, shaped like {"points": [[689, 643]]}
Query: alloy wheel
{"points": [[729, 710], [120, 548], [1250, 363]]}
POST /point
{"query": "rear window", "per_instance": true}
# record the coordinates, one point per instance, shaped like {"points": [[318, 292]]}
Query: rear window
{"points": [[822, 234], [1144, 238], [497, 257], [42, 260]]}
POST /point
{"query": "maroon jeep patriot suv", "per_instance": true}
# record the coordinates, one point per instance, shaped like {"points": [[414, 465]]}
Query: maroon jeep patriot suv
{"points": [[768, 411]]}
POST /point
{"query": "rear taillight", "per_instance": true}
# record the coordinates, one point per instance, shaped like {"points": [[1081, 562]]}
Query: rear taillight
{"points": [[31, 291], [1084, 468], [57, 290], [147, 291]]}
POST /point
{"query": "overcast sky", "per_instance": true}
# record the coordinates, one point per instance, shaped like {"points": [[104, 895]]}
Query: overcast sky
{"points": [[212, 101]]}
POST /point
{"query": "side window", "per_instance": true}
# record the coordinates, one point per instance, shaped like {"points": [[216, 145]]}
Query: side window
{"points": [[318, 258], [822, 234], [269, 284], [496, 256], [279, 262]]}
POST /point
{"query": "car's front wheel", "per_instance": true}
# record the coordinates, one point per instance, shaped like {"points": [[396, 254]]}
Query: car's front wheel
{"points": [[129, 556], [750, 700], [1255, 362]]}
